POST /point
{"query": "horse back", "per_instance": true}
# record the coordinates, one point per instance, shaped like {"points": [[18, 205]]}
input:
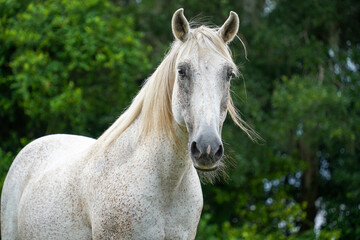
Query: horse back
{"points": [[32, 166]]}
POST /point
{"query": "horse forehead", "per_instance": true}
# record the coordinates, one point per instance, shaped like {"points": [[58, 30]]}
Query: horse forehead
{"points": [[207, 62]]}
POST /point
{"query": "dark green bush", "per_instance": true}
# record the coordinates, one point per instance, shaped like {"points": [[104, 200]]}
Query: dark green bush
{"points": [[65, 66]]}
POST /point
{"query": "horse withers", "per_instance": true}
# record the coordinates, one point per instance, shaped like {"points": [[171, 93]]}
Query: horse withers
{"points": [[139, 179]]}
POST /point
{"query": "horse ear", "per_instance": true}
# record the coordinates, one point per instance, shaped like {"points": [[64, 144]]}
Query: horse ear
{"points": [[180, 26], [230, 28]]}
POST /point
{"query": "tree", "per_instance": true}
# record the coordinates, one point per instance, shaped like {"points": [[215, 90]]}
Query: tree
{"points": [[64, 65]]}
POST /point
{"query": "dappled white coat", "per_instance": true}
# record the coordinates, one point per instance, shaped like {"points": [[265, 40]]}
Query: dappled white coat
{"points": [[133, 192]]}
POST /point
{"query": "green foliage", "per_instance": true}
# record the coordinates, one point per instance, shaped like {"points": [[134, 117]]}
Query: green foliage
{"points": [[63, 66], [309, 106], [66, 66], [6, 160]]}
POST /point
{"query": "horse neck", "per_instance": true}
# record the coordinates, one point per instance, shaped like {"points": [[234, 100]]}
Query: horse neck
{"points": [[168, 158], [174, 160]]}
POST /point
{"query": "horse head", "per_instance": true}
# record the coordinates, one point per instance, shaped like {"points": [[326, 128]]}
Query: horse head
{"points": [[201, 93]]}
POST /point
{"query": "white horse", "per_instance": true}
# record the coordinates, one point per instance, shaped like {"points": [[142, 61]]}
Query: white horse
{"points": [[139, 179]]}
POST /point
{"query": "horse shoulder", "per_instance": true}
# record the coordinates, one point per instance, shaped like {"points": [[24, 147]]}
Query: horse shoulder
{"points": [[121, 205]]}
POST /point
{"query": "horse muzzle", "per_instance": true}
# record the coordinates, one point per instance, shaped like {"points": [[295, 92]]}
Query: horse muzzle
{"points": [[206, 150]]}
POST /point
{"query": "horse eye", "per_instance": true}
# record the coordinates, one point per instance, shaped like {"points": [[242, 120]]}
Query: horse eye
{"points": [[181, 72], [230, 74]]}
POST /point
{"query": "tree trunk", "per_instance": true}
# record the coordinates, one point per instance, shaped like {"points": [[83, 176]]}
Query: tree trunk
{"points": [[309, 185]]}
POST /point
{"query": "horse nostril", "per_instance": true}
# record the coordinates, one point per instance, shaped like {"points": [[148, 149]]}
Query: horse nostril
{"points": [[219, 153], [195, 152]]}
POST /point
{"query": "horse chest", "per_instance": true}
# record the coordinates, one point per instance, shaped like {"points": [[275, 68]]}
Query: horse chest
{"points": [[142, 206]]}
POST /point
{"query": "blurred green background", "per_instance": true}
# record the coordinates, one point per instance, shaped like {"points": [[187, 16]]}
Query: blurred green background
{"points": [[69, 66]]}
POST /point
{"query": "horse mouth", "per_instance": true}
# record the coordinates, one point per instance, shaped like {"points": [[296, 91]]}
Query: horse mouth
{"points": [[206, 168], [205, 163]]}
